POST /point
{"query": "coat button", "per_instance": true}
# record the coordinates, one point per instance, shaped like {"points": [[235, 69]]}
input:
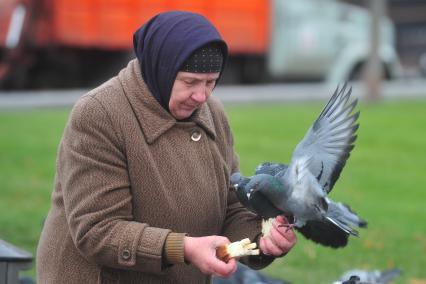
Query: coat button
{"points": [[125, 254], [196, 136]]}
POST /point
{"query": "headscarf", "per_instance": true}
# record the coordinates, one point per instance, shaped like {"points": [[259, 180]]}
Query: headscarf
{"points": [[165, 42], [206, 59]]}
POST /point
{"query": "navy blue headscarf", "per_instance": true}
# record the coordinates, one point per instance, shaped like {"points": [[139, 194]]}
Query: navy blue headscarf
{"points": [[164, 43]]}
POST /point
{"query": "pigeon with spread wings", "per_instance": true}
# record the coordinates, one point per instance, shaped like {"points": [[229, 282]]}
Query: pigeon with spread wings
{"points": [[300, 190]]}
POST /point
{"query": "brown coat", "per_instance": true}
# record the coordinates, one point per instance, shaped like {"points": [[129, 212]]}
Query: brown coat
{"points": [[128, 174]]}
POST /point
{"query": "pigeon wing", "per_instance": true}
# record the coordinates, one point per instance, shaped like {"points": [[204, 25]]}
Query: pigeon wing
{"points": [[272, 169], [256, 202], [325, 233], [262, 206], [331, 138]]}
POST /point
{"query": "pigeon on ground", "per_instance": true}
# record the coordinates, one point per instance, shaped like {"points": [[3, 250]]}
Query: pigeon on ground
{"points": [[299, 190], [358, 276], [246, 275]]}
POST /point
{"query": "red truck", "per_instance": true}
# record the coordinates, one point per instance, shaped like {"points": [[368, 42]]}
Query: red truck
{"points": [[63, 43]]}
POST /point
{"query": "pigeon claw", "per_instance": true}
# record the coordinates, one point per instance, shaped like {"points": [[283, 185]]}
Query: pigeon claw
{"points": [[288, 226]]}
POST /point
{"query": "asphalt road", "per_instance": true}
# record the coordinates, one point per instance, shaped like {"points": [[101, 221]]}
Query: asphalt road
{"points": [[237, 94]]}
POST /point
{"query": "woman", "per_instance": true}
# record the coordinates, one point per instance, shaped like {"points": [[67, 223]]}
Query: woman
{"points": [[142, 184]]}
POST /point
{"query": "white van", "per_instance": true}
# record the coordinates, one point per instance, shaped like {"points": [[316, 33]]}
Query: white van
{"points": [[326, 40]]}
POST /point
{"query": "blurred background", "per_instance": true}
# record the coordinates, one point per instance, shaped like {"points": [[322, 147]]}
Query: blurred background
{"points": [[63, 43], [286, 58]]}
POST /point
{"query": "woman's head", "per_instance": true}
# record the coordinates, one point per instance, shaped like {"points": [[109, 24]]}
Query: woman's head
{"points": [[170, 43]]}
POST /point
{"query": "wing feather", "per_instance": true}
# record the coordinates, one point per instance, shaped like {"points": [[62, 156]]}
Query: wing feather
{"points": [[331, 138], [272, 169]]}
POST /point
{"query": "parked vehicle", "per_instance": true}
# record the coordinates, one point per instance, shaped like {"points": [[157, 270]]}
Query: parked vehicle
{"points": [[326, 39], [62, 43]]}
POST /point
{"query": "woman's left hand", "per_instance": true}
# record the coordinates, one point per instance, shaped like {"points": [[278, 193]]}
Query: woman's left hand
{"points": [[280, 240]]}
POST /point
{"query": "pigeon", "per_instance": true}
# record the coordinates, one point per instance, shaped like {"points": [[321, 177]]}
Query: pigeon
{"points": [[358, 276], [246, 275], [300, 189], [352, 280]]}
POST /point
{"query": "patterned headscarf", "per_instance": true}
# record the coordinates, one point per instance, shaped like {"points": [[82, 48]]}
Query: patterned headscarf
{"points": [[207, 59]]}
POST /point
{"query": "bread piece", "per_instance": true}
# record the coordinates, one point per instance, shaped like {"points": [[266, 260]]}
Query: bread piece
{"points": [[237, 249]]}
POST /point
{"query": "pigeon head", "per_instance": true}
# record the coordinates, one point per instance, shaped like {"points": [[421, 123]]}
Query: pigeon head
{"points": [[238, 183], [235, 180], [266, 184]]}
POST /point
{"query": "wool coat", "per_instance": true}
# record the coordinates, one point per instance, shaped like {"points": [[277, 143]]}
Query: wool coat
{"points": [[128, 176]]}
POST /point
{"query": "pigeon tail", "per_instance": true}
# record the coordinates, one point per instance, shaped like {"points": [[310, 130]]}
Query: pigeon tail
{"points": [[343, 226], [389, 275], [333, 231], [343, 217]]}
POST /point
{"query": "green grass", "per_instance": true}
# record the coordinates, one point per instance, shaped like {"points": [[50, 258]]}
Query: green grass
{"points": [[384, 182], [28, 143]]}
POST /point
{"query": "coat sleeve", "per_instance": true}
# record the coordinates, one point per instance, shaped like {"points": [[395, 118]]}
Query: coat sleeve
{"points": [[240, 223], [92, 173]]}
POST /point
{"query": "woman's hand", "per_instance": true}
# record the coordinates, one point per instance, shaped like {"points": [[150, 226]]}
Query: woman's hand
{"points": [[280, 240], [201, 252]]}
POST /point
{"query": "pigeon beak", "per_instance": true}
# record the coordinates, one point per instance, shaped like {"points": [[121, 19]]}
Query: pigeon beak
{"points": [[234, 187], [249, 193]]}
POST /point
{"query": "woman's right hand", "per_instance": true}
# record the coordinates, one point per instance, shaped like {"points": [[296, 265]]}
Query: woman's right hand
{"points": [[201, 252]]}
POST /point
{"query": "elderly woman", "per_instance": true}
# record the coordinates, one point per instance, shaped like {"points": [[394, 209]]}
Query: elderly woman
{"points": [[142, 183]]}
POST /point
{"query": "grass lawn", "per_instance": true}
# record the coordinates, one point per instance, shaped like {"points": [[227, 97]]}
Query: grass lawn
{"points": [[384, 182]]}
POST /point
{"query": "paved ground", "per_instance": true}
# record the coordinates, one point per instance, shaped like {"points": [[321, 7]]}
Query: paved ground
{"points": [[404, 89]]}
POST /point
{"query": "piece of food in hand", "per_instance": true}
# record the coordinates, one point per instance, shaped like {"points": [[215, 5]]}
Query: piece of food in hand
{"points": [[237, 249]]}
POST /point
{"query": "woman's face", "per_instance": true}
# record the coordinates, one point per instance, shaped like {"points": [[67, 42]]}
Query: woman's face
{"points": [[189, 92]]}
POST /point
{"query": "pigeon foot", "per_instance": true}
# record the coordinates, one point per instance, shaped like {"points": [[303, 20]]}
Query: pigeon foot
{"points": [[288, 226]]}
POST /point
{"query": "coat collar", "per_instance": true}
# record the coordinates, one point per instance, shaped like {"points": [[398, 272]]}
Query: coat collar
{"points": [[152, 117]]}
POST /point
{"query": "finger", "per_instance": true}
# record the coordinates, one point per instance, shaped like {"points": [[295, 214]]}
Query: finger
{"points": [[285, 232], [224, 274], [233, 262], [262, 246], [223, 269], [270, 247], [221, 241], [280, 241], [281, 219]]}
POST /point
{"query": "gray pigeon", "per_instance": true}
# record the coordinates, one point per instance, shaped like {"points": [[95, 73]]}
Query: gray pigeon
{"points": [[299, 190], [358, 276], [246, 275]]}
